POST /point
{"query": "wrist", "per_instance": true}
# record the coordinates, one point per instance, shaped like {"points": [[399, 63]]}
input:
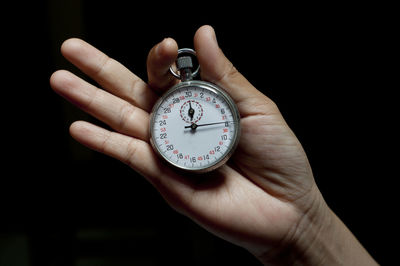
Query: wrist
{"points": [[303, 245], [319, 238], [314, 242]]}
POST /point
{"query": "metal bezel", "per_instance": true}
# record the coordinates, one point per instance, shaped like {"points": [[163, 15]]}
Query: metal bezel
{"points": [[236, 116]]}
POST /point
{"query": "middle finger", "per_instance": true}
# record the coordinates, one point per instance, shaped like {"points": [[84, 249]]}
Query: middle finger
{"points": [[112, 110], [109, 73]]}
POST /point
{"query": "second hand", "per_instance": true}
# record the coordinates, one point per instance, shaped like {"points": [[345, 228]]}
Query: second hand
{"points": [[194, 126]]}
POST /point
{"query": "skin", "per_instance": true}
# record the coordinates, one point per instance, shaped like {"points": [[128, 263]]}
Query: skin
{"points": [[264, 199]]}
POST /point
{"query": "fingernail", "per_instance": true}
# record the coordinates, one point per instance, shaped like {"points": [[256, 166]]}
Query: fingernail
{"points": [[158, 46], [165, 42], [214, 36]]}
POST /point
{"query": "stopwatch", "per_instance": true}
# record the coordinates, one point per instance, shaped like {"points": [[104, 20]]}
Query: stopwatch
{"points": [[195, 125]]}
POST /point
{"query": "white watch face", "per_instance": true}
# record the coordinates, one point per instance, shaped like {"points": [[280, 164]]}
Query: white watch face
{"points": [[195, 126]]}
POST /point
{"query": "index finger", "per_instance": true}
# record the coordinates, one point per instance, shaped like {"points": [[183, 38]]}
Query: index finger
{"points": [[160, 58]]}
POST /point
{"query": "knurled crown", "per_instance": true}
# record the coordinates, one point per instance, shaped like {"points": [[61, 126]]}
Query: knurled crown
{"points": [[184, 62]]}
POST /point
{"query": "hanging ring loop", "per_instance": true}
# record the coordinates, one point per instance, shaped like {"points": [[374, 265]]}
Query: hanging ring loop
{"points": [[185, 51]]}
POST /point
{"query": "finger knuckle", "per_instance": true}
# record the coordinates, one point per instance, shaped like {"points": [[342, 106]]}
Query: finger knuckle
{"points": [[106, 144], [131, 153], [230, 73], [126, 113], [104, 63]]}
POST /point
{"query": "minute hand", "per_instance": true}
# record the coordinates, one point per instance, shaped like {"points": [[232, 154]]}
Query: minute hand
{"points": [[209, 124]]}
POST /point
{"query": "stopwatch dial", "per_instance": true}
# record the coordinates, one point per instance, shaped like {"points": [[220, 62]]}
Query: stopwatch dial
{"points": [[195, 128], [191, 111]]}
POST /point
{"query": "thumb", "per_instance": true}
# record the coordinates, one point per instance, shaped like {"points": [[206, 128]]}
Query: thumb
{"points": [[216, 68]]}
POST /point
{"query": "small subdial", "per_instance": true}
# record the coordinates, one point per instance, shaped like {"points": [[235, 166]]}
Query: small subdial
{"points": [[191, 111]]}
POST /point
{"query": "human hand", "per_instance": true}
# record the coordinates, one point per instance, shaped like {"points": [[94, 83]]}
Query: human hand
{"points": [[264, 199]]}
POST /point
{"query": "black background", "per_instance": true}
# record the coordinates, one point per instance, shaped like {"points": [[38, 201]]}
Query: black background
{"points": [[71, 206]]}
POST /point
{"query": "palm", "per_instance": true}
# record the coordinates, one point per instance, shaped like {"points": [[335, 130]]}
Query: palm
{"points": [[257, 191], [249, 190]]}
